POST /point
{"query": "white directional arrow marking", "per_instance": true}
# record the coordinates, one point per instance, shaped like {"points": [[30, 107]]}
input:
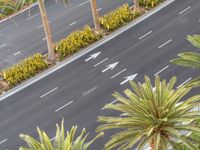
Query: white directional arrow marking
{"points": [[93, 56], [129, 78], [110, 67]]}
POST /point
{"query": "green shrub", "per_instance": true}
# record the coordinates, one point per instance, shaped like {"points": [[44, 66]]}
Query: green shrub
{"points": [[24, 70], [75, 41], [118, 18], [149, 3]]}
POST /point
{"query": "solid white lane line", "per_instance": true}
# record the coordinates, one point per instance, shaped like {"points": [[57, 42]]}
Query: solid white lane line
{"points": [[99, 9], [184, 10], [73, 23], [17, 53], [165, 43], [145, 35], [32, 17], [118, 73], [100, 62], [184, 82], [64, 106], [3, 45], [83, 3], [48, 92], [3, 141], [161, 70]]}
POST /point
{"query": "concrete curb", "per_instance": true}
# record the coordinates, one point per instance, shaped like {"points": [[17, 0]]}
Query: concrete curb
{"points": [[83, 52]]}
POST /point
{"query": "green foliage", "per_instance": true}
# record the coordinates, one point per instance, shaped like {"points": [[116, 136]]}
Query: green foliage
{"points": [[62, 140], [24, 70], [151, 116], [75, 41], [118, 18], [149, 3]]}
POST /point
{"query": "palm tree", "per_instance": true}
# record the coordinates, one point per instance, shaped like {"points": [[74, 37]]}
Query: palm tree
{"points": [[95, 14], [151, 116], [136, 5], [190, 59], [60, 142]]}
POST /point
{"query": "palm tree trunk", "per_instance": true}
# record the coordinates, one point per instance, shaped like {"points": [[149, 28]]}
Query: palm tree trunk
{"points": [[136, 4], [95, 14], [50, 44]]}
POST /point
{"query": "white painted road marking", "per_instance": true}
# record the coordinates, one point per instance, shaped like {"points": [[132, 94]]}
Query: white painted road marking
{"points": [[184, 10], [3, 45], [118, 73], [199, 20], [99, 9], [110, 67], [40, 26], [93, 56], [48, 92], [73, 23], [89, 91], [64, 106], [165, 43], [44, 38], [100, 62], [161, 70], [83, 3], [52, 139], [145, 35], [17, 53], [184, 82], [3, 141], [129, 78], [32, 17]]}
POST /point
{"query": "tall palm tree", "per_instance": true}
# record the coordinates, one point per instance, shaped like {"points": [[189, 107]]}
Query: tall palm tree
{"points": [[190, 59], [136, 5], [151, 116], [95, 14], [60, 142]]}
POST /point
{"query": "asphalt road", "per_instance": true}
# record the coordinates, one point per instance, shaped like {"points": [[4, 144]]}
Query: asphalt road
{"points": [[27, 37], [78, 91]]}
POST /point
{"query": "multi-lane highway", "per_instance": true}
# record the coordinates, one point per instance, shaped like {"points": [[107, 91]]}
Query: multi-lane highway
{"points": [[79, 90], [27, 37]]}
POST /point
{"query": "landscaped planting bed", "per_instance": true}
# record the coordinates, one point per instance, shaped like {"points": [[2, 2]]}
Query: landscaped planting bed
{"points": [[25, 69], [75, 41]]}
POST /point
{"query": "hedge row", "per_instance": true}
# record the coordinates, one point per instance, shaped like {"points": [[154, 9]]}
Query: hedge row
{"points": [[149, 3], [118, 18], [75, 41], [25, 69]]}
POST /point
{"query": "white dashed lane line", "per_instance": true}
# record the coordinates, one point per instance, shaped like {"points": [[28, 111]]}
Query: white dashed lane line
{"points": [[167, 42], [3, 141], [3, 45], [99, 9], [184, 10], [17, 53], [184, 82], [48, 92], [100, 62], [118, 73], [73, 23], [161, 70], [83, 3], [64, 106], [145, 35]]}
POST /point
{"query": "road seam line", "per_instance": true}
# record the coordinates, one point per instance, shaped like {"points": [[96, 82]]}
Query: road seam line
{"points": [[184, 10], [3, 141], [48, 92], [145, 35], [167, 42], [184, 82], [161, 70], [64, 106], [100, 62], [118, 73], [85, 51]]}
